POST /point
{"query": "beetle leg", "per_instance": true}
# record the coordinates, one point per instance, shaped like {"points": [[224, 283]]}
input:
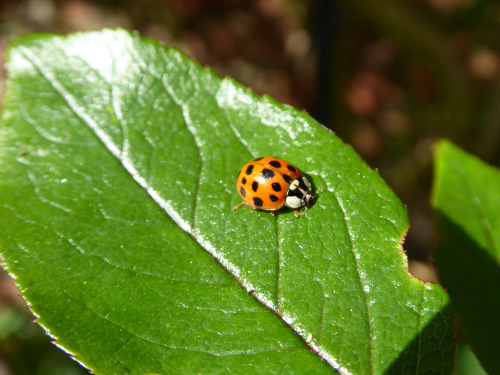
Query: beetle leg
{"points": [[238, 206]]}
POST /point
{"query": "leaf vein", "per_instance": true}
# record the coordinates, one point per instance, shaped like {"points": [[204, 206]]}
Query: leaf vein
{"points": [[370, 328]]}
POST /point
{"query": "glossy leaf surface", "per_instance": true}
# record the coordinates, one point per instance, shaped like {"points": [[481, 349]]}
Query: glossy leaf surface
{"points": [[118, 182]]}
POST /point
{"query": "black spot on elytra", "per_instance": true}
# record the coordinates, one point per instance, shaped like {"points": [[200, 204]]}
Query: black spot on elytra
{"points": [[276, 186], [243, 181], [255, 185], [249, 169], [258, 159], [242, 191], [257, 202], [273, 198], [287, 178], [291, 168], [267, 173], [275, 163]]}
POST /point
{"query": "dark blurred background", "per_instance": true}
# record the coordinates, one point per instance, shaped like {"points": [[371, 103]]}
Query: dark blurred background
{"points": [[388, 77]]}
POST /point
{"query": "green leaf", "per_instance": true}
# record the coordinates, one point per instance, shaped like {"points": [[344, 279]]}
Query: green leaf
{"points": [[466, 362], [118, 182], [466, 199]]}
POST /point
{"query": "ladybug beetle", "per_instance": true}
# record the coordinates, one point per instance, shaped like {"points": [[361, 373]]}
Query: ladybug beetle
{"points": [[269, 183]]}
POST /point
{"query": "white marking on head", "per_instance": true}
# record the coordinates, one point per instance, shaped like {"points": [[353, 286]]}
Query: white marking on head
{"points": [[308, 184], [299, 193], [293, 202], [294, 185]]}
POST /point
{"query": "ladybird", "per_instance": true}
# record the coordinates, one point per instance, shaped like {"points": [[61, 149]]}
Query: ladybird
{"points": [[269, 183]]}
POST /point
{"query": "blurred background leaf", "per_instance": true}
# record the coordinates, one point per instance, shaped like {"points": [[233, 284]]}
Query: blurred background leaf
{"points": [[466, 199], [467, 363], [376, 77]]}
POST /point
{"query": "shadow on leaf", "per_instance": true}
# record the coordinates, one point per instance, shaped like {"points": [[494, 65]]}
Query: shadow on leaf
{"points": [[470, 274]]}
